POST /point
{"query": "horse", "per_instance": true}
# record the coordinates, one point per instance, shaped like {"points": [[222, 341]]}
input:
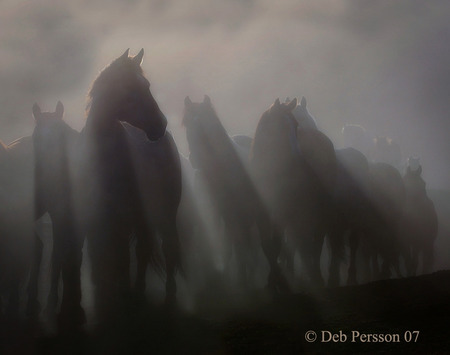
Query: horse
{"points": [[351, 207], [16, 220], [222, 166], [304, 118], [419, 224], [386, 195], [131, 178], [294, 169], [55, 145]]}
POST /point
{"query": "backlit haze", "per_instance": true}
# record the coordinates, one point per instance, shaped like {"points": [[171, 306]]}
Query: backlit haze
{"points": [[381, 64]]}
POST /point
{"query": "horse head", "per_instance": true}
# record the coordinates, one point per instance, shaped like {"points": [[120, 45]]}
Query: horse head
{"points": [[53, 143], [277, 131], [49, 132], [303, 116], [122, 93], [414, 184], [203, 130]]}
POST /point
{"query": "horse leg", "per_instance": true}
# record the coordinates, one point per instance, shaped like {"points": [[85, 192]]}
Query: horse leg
{"points": [[242, 248], [396, 261], [288, 249], [143, 258], [108, 251], [428, 258], [375, 266], [318, 240], [252, 250], [71, 311], [353, 241], [366, 258], [386, 264], [172, 256], [122, 266], [408, 260], [414, 261], [33, 306], [336, 239], [52, 299], [228, 238], [271, 245]]}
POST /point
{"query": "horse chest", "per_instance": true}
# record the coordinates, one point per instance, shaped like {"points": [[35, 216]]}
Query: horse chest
{"points": [[112, 169]]}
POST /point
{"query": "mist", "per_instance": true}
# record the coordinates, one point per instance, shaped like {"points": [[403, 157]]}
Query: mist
{"points": [[378, 64]]}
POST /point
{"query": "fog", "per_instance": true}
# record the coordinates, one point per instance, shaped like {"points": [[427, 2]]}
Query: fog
{"points": [[380, 64]]}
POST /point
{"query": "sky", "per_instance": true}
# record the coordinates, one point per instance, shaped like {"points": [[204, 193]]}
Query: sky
{"points": [[381, 64]]}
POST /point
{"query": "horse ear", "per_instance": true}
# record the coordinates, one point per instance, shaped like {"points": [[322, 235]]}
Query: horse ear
{"points": [[124, 55], [187, 102], [293, 104], [303, 102], [138, 58], [207, 100], [276, 105], [36, 111], [419, 170], [59, 110]]}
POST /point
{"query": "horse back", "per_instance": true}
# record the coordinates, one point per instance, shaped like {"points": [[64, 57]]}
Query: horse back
{"points": [[387, 191], [319, 154]]}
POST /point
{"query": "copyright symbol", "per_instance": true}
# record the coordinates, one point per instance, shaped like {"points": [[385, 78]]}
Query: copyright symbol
{"points": [[310, 336]]}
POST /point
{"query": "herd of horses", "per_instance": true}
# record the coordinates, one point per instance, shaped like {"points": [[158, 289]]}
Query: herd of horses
{"points": [[284, 192]]}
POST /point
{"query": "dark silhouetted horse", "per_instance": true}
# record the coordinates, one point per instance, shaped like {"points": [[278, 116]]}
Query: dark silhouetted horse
{"points": [[295, 171], [16, 220], [419, 225], [352, 207], [127, 181], [222, 164], [304, 118], [55, 146], [387, 197], [133, 180]]}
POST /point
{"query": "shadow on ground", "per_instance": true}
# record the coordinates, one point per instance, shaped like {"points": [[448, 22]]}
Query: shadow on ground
{"points": [[259, 323]]}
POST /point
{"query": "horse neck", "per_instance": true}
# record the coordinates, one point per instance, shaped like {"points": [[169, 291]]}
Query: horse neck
{"points": [[216, 143], [217, 133], [271, 152], [100, 129]]}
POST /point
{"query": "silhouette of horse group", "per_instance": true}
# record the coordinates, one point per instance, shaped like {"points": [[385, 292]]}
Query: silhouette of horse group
{"points": [[120, 180]]}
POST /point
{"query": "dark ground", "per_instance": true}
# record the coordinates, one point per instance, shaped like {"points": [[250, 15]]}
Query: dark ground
{"points": [[263, 324]]}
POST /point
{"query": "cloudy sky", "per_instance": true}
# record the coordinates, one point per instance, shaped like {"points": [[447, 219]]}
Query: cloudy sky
{"points": [[382, 64]]}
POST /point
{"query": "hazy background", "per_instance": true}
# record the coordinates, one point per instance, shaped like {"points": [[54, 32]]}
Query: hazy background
{"points": [[382, 64]]}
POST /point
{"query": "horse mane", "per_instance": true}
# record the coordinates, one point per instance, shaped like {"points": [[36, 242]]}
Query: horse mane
{"points": [[223, 139], [213, 112], [109, 76], [257, 146]]}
